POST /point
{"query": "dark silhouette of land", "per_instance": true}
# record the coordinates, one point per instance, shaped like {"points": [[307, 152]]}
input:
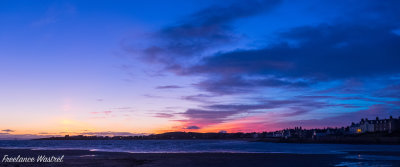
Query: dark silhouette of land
{"points": [[332, 137], [379, 131]]}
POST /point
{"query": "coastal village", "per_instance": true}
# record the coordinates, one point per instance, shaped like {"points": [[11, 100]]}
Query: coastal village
{"points": [[387, 126]]}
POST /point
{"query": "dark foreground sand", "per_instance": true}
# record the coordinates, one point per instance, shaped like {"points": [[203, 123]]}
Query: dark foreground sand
{"points": [[97, 159]]}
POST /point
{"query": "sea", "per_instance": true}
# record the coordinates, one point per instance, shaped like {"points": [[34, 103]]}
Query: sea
{"points": [[192, 146]]}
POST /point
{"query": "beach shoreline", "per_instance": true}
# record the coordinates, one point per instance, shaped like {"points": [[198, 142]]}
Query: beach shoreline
{"points": [[99, 158]]}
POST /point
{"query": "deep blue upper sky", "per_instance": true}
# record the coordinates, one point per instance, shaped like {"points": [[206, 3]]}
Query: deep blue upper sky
{"points": [[201, 65]]}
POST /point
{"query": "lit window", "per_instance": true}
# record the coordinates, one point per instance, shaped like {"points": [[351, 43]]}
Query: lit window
{"points": [[358, 130]]}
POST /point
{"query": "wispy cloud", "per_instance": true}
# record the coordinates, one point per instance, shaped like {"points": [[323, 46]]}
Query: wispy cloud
{"points": [[168, 87], [192, 127], [8, 130], [199, 32], [163, 115], [204, 98]]}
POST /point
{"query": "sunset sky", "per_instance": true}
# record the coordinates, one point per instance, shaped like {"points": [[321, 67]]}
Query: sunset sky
{"points": [[132, 67]]}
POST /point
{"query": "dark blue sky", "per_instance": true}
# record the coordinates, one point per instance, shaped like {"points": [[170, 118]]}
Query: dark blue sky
{"points": [[156, 66]]}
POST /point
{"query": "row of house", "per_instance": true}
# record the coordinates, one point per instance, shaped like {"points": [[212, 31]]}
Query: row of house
{"points": [[378, 125], [298, 132]]}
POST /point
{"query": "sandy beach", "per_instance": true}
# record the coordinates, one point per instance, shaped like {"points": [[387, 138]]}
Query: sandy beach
{"points": [[97, 158]]}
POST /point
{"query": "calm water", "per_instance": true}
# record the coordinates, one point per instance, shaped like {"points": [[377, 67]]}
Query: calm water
{"points": [[168, 146]]}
